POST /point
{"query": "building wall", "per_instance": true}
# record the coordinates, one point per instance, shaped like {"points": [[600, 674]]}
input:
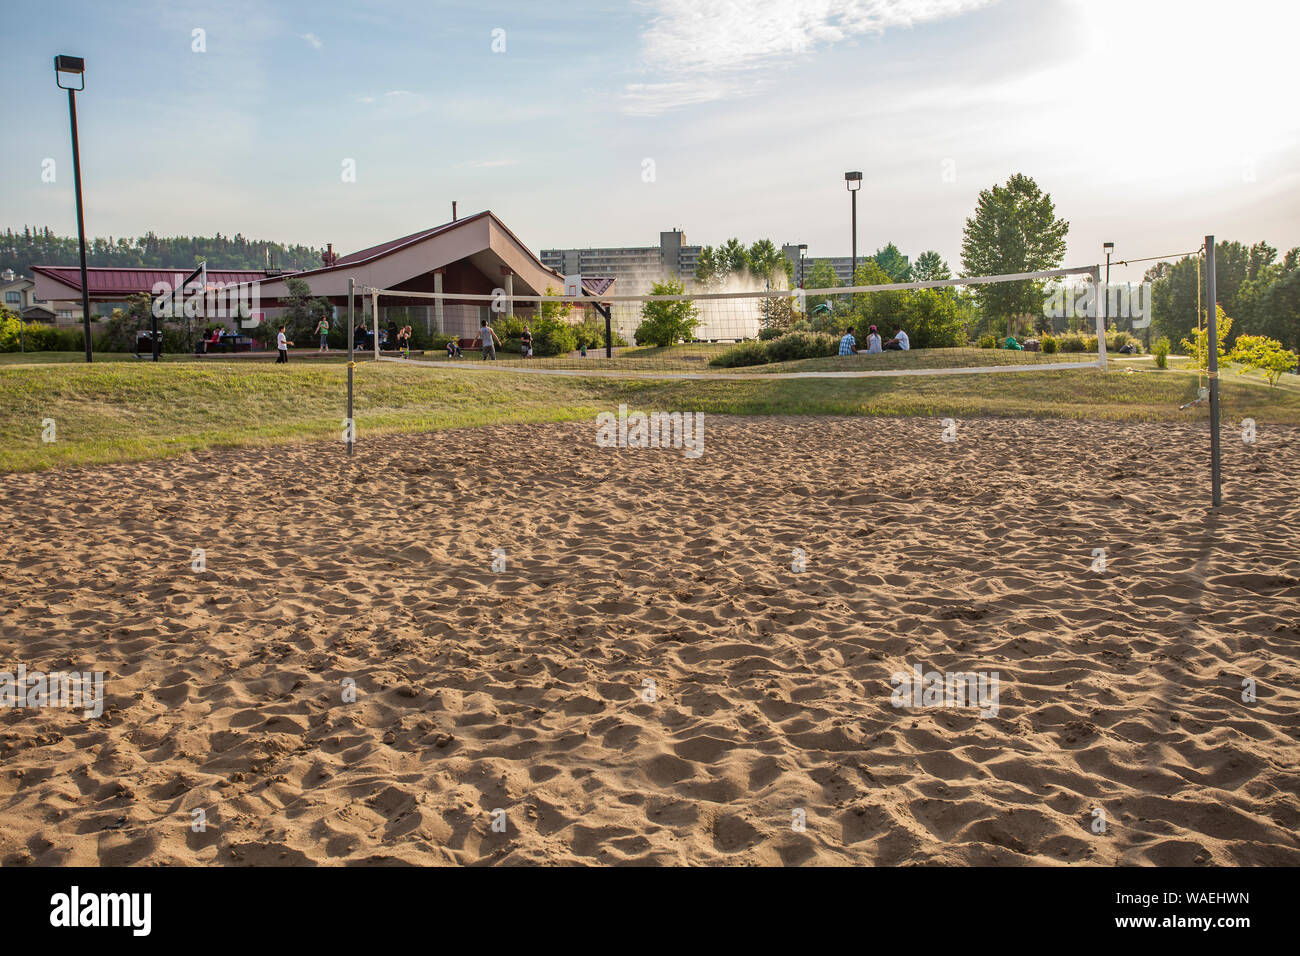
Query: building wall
{"points": [[635, 267]]}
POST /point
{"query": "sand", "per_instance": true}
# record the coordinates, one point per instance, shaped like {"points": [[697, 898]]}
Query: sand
{"points": [[524, 690]]}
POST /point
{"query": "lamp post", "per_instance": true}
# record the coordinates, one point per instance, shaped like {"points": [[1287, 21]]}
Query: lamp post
{"points": [[853, 180], [803, 257], [1109, 247], [76, 66]]}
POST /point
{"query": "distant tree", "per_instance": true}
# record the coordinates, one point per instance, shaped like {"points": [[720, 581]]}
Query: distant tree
{"points": [[667, 323], [894, 263], [821, 276], [709, 267], [20, 250], [734, 257], [1014, 229], [930, 267], [301, 313]]}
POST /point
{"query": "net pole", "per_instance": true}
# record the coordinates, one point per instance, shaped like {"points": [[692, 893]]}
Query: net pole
{"points": [[1212, 346], [1101, 319], [351, 293]]}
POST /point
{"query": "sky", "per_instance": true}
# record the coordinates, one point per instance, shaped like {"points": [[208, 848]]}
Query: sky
{"points": [[1150, 122]]}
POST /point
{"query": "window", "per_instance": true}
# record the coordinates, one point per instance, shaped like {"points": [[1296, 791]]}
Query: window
{"points": [[13, 298]]}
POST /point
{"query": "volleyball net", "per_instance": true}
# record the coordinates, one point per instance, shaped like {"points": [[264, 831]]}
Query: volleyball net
{"points": [[1019, 322]]}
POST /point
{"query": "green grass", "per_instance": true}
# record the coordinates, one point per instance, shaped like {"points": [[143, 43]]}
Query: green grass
{"points": [[968, 357], [129, 410]]}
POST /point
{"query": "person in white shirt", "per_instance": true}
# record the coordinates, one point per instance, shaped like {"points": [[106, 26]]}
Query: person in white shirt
{"points": [[873, 342], [900, 341], [282, 346]]}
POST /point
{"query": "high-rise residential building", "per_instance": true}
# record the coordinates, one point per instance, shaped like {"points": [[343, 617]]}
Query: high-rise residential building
{"points": [[632, 266], [636, 267]]}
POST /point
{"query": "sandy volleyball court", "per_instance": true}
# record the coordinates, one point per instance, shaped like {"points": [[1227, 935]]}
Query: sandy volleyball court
{"points": [[528, 689]]}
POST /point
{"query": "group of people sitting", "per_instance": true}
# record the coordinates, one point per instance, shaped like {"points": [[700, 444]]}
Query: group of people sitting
{"points": [[210, 338], [899, 343], [389, 338]]}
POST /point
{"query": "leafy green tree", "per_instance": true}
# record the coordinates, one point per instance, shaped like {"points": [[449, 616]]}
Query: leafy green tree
{"points": [[709, 267], [1198, 345], [875, 307], [930, 267], [1014, 229], [734, 257], [1267, 355], [821, 276], [894, 263], [300, 315], [667, 323], [765, 260]]}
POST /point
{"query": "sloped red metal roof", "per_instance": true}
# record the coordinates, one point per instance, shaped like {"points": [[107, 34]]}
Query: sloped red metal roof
{"points": [[107, 281], [392, 244]]}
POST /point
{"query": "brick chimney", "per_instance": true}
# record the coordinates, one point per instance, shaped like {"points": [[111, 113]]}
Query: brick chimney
{"points": [[328, 257]]}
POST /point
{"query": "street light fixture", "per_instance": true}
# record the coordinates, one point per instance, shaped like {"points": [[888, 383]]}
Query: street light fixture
{"points": [[1109, 247], [75, 66], [853, 180], [803, 254]]}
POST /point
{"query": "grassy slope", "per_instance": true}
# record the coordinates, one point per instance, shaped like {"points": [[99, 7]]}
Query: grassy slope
{"points": [[132, 410]]}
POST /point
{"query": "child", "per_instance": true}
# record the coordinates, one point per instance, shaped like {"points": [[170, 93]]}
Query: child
{"points": [[282, 346], [323, 330]]}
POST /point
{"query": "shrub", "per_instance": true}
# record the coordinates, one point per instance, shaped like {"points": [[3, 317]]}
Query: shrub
{"points": [[987, 341], [591, 333], [553, 336], [1268, 355], [1072, 342], [802, 345], [1161, 351], [1049, 345], [772, 332], [746, 353]]}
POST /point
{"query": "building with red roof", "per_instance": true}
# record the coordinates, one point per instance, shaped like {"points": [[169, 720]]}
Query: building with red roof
{"points": [[475, 255]]}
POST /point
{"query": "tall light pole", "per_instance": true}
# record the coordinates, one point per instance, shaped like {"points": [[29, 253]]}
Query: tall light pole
{"points": [[853, 180], [76, 66], [803, 256], [1109, 247]]}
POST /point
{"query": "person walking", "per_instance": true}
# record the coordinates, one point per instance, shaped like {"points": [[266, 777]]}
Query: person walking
{"points": [[282, 346]]}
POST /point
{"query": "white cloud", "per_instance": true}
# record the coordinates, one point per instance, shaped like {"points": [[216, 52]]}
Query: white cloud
{"points": [[314, 40], [722, 43]]}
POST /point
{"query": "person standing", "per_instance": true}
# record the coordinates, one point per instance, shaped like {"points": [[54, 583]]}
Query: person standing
{"points": [[489, 341], [526, 342], [323, 330], [282, 346]]}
